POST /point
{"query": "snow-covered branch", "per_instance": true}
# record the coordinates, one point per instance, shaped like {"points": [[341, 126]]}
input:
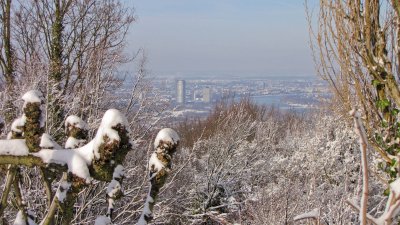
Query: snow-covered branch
{"points": [[97, 159], [165, 144]]}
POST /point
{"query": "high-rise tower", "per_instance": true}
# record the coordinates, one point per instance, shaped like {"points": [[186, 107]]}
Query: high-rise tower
{"points": [[180, 91], [207, 95]]}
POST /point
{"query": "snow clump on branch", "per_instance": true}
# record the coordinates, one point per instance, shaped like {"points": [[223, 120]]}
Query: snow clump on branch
{"points": [[75, 121], [166, 135]]}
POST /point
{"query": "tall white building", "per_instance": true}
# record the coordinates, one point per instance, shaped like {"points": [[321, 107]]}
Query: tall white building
{"points": [[180, 91], [207, 95]]}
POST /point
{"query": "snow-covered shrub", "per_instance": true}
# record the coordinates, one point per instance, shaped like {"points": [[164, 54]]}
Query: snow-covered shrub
{"points": [[267, 169]]}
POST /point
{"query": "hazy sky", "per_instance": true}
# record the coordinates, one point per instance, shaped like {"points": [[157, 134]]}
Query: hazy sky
{"points": [[265, 37]]}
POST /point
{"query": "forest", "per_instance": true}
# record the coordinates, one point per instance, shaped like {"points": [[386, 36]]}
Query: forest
{"points": [[74, 151]]}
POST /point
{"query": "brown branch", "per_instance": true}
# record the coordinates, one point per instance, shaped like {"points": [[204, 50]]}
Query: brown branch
{"points": [[12, 170]]}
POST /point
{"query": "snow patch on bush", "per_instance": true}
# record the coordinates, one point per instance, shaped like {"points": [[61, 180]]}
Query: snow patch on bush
{"points": [[19, 122], [110, 119], [113, 188], [76, 122], [74, 143], [19, 220], [118, 172], [62, 191], [166, 135], [47, 142], [155, 163], [76, 164], [102, 220], [15, 147], [32, 96]]}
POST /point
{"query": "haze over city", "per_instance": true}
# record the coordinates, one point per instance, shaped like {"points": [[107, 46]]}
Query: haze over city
{"points": [[257, 38]]}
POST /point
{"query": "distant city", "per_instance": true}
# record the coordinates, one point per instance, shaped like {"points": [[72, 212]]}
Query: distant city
{"points": [[196, 97]]}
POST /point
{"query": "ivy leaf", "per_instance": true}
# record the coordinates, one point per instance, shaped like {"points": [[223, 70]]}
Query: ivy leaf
{"points": [[382, 104], [395, 112], [386, 192], [375, 83]]}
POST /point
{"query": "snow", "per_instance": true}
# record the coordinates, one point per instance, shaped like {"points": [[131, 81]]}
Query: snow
{"points": [[118, 172], [32, 97], [19, 220], [381, 61], [155, 163], [76, 122], [113, 188], [102, 220], [111, 118], [35, 97], [31, 216], [62, 191], [166, 135], [357, 119], [15, 147], [74, 143], [19, 122], [141, 221], [76, 164], [308, 215], [182, 113], [47, 142], [146, 209], [110, 206], [86, 152], [395, 186], [78, 159]]}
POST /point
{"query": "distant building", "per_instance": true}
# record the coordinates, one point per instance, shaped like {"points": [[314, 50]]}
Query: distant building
{"points": [[207, 95], [180, 91]]}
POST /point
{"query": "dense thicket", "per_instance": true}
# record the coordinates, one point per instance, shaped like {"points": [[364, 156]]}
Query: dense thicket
{"points": [[250, 164]]}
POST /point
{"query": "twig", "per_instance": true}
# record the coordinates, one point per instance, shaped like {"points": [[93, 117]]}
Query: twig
{"points": [[54, 204], [364, 164], [7, 187]]}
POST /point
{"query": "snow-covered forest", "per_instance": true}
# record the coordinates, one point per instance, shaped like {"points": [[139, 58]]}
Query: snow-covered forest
{"points": [[75, 151]]}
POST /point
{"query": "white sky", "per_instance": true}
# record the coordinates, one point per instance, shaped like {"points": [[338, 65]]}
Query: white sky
{"points": [[265, 37]]}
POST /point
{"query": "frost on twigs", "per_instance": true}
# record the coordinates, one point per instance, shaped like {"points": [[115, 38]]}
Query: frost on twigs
{"points": [[313, 214], [165, 144]]}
